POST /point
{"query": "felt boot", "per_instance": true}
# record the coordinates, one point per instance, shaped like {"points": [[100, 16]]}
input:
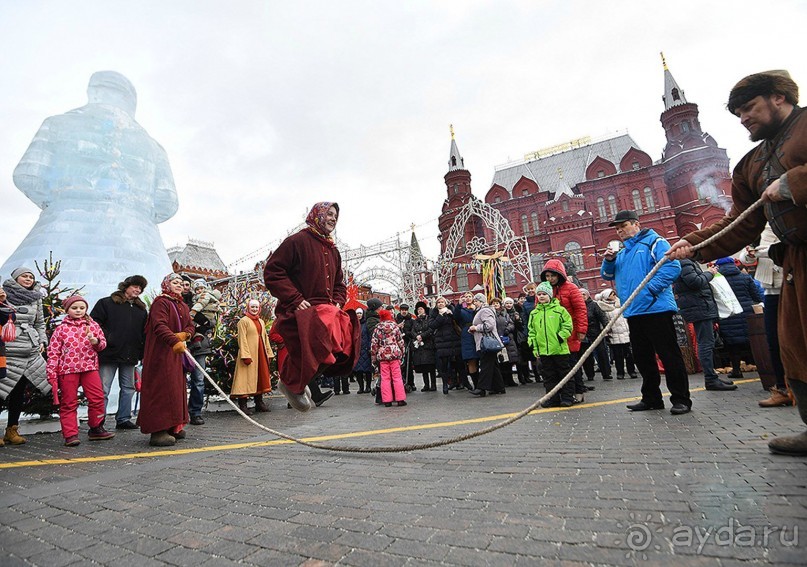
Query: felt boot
{"points": [[794, 445], [162, 439]]}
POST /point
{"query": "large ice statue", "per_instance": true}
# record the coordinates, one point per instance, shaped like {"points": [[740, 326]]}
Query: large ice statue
{"points": [[103, 185]]}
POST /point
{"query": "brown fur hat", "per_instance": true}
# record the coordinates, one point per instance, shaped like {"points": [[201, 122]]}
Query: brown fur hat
{"points": [[763, 84]]}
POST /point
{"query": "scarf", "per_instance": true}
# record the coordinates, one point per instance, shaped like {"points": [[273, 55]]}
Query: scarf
{"points": [[316, 221], [18, 295], [165, 287]]}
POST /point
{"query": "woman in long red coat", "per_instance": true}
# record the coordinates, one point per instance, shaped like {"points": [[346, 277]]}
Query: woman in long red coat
{"points": [[163, 397]]}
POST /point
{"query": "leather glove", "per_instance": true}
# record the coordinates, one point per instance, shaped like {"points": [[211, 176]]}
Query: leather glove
{"points": [[179, 348], [247, 361], [183, 336]]}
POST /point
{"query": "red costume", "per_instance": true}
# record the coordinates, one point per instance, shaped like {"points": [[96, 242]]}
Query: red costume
{"points": [[163, 397], [307, 266]]}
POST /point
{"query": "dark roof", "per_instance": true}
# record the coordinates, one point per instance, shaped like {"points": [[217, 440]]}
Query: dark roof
{"points": [[557, 172]]}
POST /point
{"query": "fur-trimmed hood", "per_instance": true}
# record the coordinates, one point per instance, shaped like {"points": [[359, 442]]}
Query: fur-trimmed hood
{"points": [[119, 298]]}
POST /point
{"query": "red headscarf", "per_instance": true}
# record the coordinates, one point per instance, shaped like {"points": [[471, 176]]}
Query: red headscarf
{"points": [[166, 286], [316, 220]]}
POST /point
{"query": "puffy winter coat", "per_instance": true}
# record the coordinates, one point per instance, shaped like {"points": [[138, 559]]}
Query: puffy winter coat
{"points": [[387, 342], [124, 325], [549, 329], [620, 332], [22, 354], [597, 320], [465, 317], [694, 294], [569, 296], [506, 328], [364, 363], [734, 329], [517, 337], [70, 351], [446, 340], [485, 323], [640, 254], [423, 353]]}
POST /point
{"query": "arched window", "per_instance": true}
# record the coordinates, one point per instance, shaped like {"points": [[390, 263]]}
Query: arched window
{"points": [[508, 273], [601, 208], [612, 205], [575, 253], [535, 226], [525, 192], [637, 201], [675, 94], [565, 206], [537, 264], [525, 225], [684, 127], [497, 199], [462, 279], [649, 201]]}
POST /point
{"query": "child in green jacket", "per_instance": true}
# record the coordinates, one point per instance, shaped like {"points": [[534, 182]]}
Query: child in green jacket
{"points": [[549, 326]]}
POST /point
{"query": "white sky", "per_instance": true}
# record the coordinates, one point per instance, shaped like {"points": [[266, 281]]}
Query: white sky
{"points": [[267, 107]]}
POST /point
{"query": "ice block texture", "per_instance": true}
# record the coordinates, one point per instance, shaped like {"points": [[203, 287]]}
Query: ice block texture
{"points": [[103, 185]]}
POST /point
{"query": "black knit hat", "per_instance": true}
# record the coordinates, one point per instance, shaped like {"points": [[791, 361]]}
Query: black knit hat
{"points": [[139, 281], [374, 304]]}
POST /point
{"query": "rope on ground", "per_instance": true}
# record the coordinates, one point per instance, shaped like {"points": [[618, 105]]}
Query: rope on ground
{"points": [[503, 423]]}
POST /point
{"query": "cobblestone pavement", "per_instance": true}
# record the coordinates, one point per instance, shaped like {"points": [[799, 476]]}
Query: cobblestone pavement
{"points": [[594, 484]]}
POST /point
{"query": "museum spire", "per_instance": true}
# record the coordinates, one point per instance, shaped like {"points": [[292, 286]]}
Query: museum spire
{"points": [[455, 160], [673, 94]]}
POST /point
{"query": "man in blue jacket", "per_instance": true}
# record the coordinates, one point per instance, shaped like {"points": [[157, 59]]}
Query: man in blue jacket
{"points": [[650, 316]]}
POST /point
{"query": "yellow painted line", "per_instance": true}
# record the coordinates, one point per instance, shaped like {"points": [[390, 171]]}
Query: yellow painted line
{"points": [[235, 446]]}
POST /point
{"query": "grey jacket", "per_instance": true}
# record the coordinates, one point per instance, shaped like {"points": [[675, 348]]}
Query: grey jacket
{"points": [[22, 354]]}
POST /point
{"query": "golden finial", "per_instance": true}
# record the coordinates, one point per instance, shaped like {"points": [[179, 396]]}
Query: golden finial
{"points": [[413, 227], [663, 60], [451, 128]]}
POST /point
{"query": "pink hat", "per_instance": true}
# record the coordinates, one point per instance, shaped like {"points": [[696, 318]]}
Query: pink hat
{"points": [[71, 300]]}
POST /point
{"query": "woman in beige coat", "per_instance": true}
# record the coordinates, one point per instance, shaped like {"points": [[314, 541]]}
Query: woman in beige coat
{"points": [[252, 376]]}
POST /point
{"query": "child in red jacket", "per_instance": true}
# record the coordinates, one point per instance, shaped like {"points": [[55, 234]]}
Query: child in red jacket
{"points": [[73, 362], [386, 351]]}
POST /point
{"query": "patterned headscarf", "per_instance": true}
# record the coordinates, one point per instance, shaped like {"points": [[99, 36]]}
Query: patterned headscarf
{"points": [[166, 286], [316, 220]]}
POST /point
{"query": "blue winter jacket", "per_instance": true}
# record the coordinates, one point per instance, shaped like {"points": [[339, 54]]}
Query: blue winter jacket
{"points": [[633, 263]]}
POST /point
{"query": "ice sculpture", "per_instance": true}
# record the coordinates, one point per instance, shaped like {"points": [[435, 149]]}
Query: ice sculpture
{"points": [[103, 185]]}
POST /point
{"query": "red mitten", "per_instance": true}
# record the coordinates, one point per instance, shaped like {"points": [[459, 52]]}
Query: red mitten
{"points": [[247, 361]]}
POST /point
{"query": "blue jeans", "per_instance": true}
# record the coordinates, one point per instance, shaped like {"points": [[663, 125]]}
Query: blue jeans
{"points": [[125, 373], [196, 400], [705, 335]]}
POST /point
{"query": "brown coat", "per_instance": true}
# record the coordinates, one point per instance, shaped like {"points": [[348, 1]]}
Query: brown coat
{"points": [[163, 397], [748, 184], [245, 380]]}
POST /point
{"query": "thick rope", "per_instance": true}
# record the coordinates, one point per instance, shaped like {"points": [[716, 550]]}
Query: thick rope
{"points": [[509, 420]]}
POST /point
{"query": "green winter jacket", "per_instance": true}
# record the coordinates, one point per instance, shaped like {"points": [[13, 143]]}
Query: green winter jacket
{"points": [[550, 325]]}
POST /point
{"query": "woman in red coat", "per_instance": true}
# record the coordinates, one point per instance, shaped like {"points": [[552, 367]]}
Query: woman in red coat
{"points": [[163, 398], [569, 297]]}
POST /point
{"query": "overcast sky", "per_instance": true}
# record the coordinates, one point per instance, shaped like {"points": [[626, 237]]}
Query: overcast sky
{"points": [[267, 107]]}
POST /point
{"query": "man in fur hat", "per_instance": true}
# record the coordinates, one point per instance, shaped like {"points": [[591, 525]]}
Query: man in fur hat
{"points": [[775, 171], [122, 317]]}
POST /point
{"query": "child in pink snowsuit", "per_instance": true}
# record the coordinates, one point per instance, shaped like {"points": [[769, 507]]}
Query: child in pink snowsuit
{"points": [[387, 350], [73, 362]]}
